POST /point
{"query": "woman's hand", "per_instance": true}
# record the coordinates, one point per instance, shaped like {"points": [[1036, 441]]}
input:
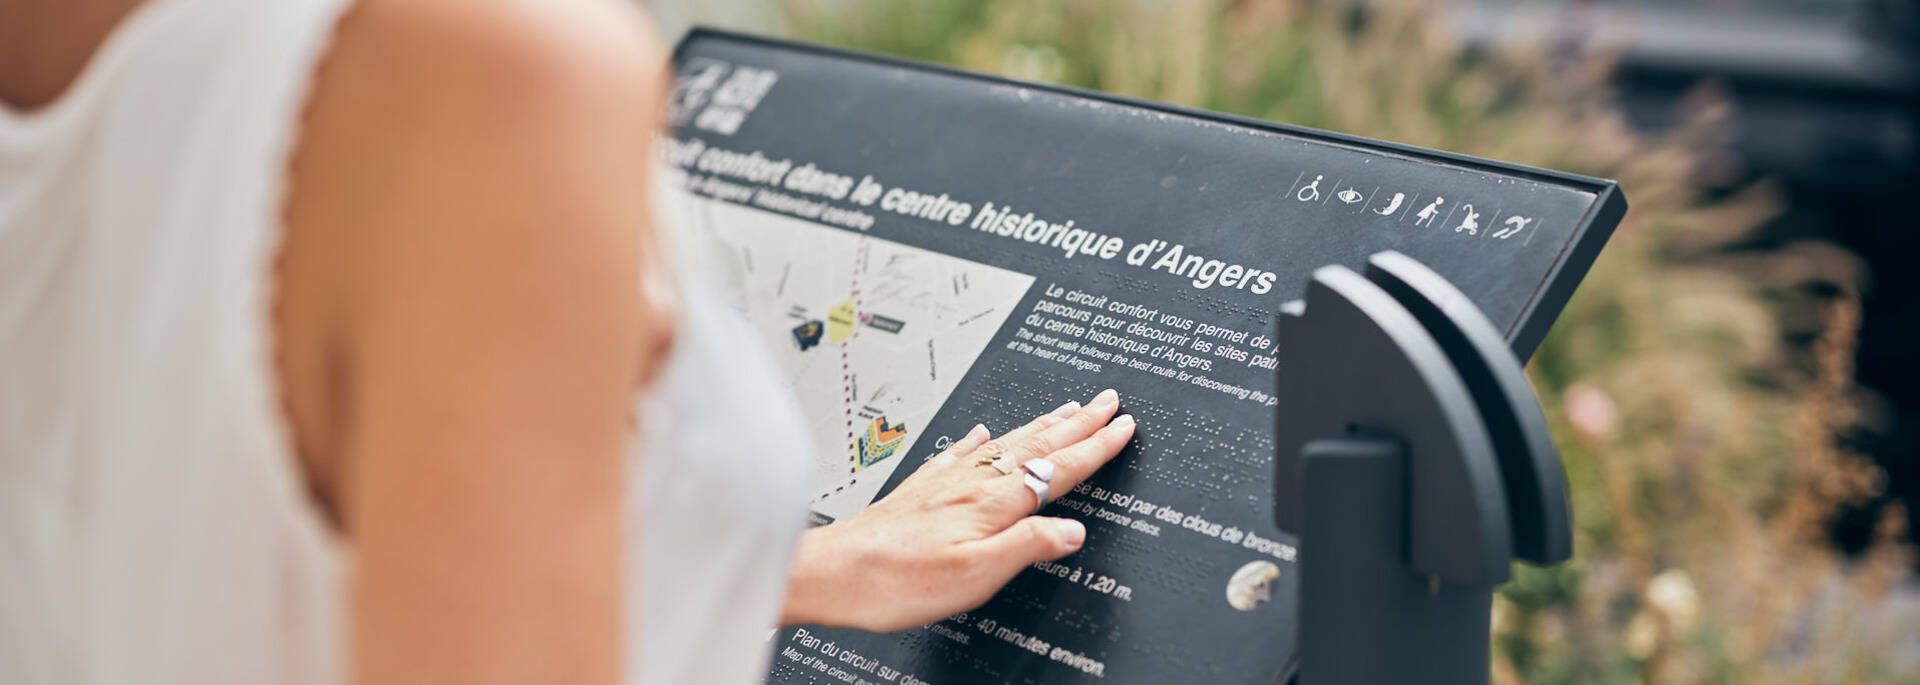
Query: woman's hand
{"points": [[956, 530]]}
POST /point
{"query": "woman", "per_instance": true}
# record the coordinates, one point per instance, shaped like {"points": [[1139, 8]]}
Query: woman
{"points": [[323, 327]]}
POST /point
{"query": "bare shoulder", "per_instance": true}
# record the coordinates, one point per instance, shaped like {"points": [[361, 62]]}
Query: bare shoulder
{"points": [[572, 52], [497, 76], [465, 313], [514, 134], [469, 192], [464, 316]]}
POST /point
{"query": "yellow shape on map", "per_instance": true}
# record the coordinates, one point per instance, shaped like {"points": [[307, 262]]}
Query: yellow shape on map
{"points": [[840, 322]]}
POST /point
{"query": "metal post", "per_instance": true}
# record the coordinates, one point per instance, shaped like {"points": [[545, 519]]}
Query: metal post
{"points": [[1366, 617]]}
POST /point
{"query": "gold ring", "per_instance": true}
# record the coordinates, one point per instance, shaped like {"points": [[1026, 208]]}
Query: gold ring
{"points": [[989, 453], [1004, 465]]}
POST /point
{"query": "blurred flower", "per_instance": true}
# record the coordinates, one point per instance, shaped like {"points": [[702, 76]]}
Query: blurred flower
{"points": [[1503, 615], [1642, 636], [1671, 593], [1033, 63], [1591, 412], [1548, 629]]}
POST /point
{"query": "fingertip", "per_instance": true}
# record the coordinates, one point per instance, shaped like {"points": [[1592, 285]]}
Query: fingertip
{"points": [[979, 432], [1038, 538], [1123, 422], [1073, 533]]}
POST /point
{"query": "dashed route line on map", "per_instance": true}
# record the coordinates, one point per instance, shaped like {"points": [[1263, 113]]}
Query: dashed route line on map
{"points": [[846, 379]]}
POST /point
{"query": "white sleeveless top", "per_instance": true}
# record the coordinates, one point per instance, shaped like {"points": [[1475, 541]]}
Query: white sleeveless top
{"points": [[153, 525]]}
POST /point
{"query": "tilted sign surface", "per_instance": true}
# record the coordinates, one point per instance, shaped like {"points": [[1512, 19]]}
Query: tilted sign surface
{"points": [[925, 249]]}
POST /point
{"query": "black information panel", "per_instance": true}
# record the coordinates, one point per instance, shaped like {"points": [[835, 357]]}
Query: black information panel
{"points": [[925, 249]]}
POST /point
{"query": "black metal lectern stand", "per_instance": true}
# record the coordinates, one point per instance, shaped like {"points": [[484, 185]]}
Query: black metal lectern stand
{"points": [[1415, 465]]}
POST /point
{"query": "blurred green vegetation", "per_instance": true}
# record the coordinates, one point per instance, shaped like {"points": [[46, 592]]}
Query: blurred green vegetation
{"points": [[1700, 446]]}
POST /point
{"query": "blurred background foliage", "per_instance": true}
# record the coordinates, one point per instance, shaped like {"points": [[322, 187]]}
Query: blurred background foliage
{"points": [[1699, 387]]}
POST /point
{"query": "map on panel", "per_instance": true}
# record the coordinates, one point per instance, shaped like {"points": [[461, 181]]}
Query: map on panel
{"points": [[874, 335]]}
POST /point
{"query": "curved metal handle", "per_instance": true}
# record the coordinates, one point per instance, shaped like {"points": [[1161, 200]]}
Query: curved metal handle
{"points": [[1536, 487]]}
